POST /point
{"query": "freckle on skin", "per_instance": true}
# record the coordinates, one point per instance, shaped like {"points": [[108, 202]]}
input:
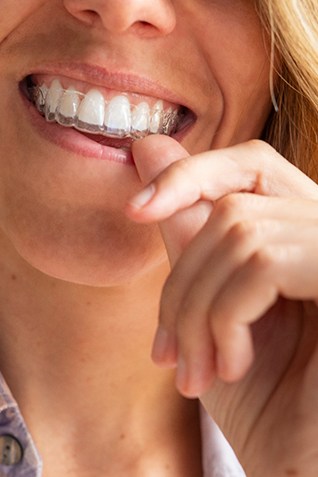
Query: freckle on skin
{"points": [[122, 437], [13, 277]]}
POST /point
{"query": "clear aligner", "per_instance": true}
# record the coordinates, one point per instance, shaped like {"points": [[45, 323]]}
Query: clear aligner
{"points": [[91, 113]]}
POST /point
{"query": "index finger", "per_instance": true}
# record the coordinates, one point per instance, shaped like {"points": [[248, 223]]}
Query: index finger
{"points": [[253, 166]]}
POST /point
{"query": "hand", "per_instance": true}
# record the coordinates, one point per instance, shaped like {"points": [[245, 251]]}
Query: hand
{"points": [[230, 266], [249, 251]]}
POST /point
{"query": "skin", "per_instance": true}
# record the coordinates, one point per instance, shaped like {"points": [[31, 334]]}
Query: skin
{"points": [[52, 200], [74, 253], [253, 350]]}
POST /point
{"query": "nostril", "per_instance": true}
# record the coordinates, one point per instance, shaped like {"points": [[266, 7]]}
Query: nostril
{"points": [[144, 29], [147, 18], [90, 17], [90, 13]]}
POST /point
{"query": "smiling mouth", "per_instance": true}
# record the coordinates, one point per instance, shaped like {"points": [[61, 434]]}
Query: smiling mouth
{"points": [[104, 115]]}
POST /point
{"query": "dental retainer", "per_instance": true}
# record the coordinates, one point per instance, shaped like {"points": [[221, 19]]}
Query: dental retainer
{"points": [[117, 118]]}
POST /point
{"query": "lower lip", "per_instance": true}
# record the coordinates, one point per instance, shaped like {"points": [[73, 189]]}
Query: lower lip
{"points": [[73, 141]]}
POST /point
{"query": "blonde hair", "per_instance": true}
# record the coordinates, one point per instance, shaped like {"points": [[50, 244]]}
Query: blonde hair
{"points": [[293, 128]]}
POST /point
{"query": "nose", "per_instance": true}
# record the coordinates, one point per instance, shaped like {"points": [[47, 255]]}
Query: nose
{"points": [[148, 17]]}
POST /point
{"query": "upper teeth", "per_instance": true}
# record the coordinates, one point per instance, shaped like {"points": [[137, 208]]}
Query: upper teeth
{"points": [[90, 112]]}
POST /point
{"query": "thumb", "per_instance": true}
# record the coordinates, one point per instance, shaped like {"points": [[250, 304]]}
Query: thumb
{"points": [[152, 155]]}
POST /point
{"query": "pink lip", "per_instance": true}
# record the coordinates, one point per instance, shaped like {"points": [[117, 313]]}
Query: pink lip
{"points": [[120, 81], [73, 141]]}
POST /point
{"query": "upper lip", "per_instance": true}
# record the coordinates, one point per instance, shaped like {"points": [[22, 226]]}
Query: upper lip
{"points": [[115, 80]]}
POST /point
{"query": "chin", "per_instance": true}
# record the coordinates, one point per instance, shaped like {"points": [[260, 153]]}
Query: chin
{"points": [[112, 275], [108, 262]]}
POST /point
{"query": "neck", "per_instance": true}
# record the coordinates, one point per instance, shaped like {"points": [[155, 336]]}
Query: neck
{"points": [[68, 336], [78, 357]]}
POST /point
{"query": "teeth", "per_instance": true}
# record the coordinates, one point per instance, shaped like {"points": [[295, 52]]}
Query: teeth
{"points": [[52, 100], [66, 111], [92, 113], [169, 118], [156, 119], [140, 119], [41, 97], [118, 116]]}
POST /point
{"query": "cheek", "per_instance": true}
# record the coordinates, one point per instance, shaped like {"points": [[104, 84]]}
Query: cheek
{"points": [[14, 12], [243, 77], [242, 63], [235, 58]]}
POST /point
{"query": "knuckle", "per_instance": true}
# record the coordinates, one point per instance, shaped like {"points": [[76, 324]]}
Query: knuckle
{"points": [[182, 168], [243, 232], [230, 206], [260, 147], [263, 151], [264, 259], [182, 176], [225, 325], [255, 143]]}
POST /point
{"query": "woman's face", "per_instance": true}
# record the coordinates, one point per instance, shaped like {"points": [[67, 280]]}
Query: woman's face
{"points": [[62, 193]]}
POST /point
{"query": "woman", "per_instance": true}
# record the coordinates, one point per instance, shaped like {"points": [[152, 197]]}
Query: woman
{"points": [[83, 261]]}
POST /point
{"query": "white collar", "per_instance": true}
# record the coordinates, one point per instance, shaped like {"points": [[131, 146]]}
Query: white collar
{"points": [[218, 458]]}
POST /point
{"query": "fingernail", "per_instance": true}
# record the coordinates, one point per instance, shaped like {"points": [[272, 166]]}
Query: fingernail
{"points": [[141, 199], [163, 351]]}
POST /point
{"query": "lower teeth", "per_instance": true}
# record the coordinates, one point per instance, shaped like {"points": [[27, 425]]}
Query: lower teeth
{"points": [[66, 114]]}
